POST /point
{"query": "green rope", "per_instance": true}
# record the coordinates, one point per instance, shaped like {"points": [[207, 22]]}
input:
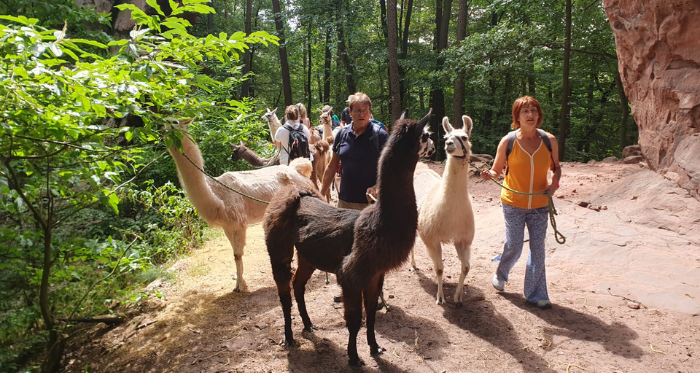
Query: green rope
{"points": [[222, 184], [552, 210]]}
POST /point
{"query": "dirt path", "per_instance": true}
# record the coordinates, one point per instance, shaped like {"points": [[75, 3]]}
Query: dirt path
{"points": [[625, 289]]}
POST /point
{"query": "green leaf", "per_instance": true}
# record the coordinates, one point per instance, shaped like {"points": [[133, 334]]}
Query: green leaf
{"points": [[154, 4], [21, 19], [91, 42]]}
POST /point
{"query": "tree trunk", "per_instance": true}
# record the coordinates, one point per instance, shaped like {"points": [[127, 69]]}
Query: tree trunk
{"points": [[442, 21], [458, 98], [286, 81], [327, 71], [566, 87], [342, 49], [383, 16], [393, 45], [403, 53], [624, 109], [247, 55]]}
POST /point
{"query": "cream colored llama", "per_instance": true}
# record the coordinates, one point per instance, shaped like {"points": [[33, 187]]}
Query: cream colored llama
{"points": [[220, 207], [272, 122], [446, 214], [325, 120]]}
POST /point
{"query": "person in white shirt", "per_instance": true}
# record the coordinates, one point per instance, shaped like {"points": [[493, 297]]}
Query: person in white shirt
{"points": [[291, 115]]}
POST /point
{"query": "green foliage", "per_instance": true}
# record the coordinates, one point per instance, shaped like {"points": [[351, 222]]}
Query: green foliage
{"points": [[66, 163]]}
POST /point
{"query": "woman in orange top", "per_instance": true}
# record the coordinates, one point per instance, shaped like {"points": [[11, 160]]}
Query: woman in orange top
{"points": [[527, 167]]}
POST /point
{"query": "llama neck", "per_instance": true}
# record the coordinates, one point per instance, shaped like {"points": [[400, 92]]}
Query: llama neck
{"points": [[327, 131], [395, 186], [251, 157], [455, 176], [193, 180]]}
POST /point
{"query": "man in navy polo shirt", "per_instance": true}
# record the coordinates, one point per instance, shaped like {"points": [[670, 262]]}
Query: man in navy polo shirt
{"points": [[357, 148]]}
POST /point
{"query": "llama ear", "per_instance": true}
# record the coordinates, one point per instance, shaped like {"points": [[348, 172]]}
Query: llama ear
{"points": [[426, 118], [446, 125], [274, 111], [468, 124], [241, 142], [404, 115]]}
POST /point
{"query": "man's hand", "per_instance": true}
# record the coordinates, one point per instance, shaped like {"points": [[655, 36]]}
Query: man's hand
{"points": [[371, 194]]}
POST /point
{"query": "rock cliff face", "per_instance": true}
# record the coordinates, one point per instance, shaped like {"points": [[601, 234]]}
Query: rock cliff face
{"points": [[658, 49]]}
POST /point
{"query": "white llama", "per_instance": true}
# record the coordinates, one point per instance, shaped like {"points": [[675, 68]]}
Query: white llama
{"points": [[221, 207], [446, 213], [273, 122]]}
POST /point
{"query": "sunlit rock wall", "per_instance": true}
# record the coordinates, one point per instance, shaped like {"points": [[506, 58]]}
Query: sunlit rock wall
{"points": [[658, 49]]}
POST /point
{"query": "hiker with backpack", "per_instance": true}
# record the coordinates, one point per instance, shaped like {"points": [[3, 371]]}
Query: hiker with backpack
{"points": [[527, 154], [293, 136], [357, 147]]}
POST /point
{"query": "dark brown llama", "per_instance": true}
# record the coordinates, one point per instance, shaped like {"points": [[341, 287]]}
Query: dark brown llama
{"points": [[359, 247], [243, 152]]}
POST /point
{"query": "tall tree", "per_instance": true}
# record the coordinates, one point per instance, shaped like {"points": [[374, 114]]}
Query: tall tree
{"points": [[284, 64], [403, 52], [564, 124], [624, 109], [443, 11], [342, 47], [327, 70], [393, 44], [248, 55], [458, 98]]}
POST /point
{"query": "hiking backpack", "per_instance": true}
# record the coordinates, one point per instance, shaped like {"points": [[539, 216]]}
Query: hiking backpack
{"points": [[511, 141], [298, 145]]}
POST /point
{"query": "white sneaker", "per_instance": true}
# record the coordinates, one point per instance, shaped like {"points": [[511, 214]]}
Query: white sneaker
{"points": [[498, 284], [544, 304]]}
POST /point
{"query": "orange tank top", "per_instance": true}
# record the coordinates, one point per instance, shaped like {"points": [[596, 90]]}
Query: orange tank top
{"points": [[528, 174]]}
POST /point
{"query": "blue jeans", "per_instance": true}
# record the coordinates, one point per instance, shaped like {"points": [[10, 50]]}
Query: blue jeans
{"points": [[536, 220]]}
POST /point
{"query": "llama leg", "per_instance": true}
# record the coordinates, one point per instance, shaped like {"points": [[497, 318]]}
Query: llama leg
{"points": [[464, 250], [413, 262], [237, 239], [301, 277], [352, 300], [282, 272], [370, 297], [435, 252]]}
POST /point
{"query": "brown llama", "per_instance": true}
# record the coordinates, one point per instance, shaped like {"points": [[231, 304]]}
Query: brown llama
{"points": [[359, 247], [243, 152], [219, 206]]}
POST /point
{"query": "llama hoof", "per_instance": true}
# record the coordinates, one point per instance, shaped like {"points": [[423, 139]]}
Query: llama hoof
{"points": [[376, 350], [356, 363], [289, 343], [413, 269], [310, 328]]}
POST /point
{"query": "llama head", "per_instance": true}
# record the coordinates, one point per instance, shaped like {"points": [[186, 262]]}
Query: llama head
{"points": [[325, 118], [427, 147], [408, 135], [269, 114], [457, 139], [237, 150]]}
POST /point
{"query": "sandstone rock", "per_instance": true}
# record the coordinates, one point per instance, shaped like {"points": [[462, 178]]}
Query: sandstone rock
{"points": [[631, 150], [609, 160], [659, 63], [633, 159]]}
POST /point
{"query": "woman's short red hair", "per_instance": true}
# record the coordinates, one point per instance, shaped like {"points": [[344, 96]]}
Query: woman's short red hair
{"points": [[519, 103]]}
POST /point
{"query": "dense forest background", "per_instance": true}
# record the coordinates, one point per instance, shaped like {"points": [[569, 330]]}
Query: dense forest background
{"points": [[458, 57], [90, 207]]}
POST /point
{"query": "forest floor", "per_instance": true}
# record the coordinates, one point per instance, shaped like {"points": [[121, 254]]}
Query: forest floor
{"points": [[625, 289]]}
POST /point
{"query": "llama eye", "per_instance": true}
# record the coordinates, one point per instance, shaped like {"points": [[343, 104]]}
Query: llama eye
{"points": [[464, 138]]}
